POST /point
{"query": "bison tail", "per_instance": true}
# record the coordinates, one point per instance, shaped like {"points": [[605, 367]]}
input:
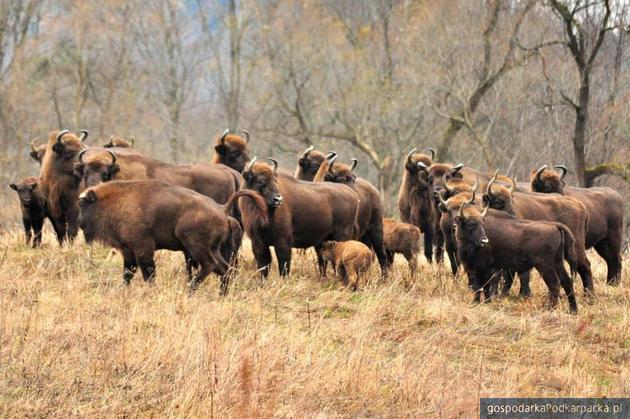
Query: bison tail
{"points": [[570, 254], [321, 172], [256, 199]]}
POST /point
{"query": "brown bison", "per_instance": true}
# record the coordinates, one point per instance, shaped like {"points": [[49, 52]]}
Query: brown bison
{"points": [[401, 238], [371, 212], [33, 206], [544, 207], [141, 216], [38, 151], [301, 214], [493, 241], [605, 215], [120, 142], [351, 259], [232, 150], [97, 165], [308, 164]]}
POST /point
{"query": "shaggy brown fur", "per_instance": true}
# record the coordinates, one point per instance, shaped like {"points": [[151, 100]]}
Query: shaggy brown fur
{"points": [[545, 207], [352, 259], [232, 151], [401, 238], [302, 215], [605, 216], [139, 217], [33, 206], [499, 241]]}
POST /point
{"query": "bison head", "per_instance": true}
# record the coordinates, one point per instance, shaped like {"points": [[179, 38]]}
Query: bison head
{"points": [[87, 209], [341, 173], [499, 197], [545, 180], [24, 189], [263, 178], [97, 168], [413, 158], [232, 150], [308, 164], [469, 226], [37, 151], [120, 142]]}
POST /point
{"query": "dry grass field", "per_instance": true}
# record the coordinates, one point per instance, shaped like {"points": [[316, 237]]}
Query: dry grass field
{"points": [[75, 341]]}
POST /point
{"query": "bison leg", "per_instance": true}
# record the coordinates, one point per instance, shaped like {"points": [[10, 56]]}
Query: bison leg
{"points": [[321, 262], [144, 257], [584, 269], [428, 242], [37, 228], [452, 258], [283, 255], [525, 291], [129, 266], [610, 251], [341, 268], [439, 246], [262, 254], [375, 237], [508, 279], [412, 260], [567, 285], [27, 230], [353, 280], [59, 225], [551, 280]]}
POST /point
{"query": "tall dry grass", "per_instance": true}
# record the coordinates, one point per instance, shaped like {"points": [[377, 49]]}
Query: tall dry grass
{"points": [[75, 341]]}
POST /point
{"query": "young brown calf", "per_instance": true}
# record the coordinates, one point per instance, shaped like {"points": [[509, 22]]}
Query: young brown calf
{"points": [[33, 206], [401, 238], [350, 258]]}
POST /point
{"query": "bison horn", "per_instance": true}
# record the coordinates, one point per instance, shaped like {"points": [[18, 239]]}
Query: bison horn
{"points": [[563, 168], [246, 134], [489, 187], [445, 182], [113, 158], [413, 150], [513, 187], [225, 134], [331, 155], [461, 211], [485, 211], [331, 161], [353, 165], [432, 151], [457, 168], [472, 198], [81, 155], [250, 164], [475, 187], [540, 170], [275, 165], [308, 150], [133, 141], [84, 135], [441, 199], [33, 148], [60, 136]]}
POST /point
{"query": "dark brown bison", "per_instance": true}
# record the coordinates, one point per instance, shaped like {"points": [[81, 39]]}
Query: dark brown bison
{"points": [[351, 259], [232, 150], [605, 215], [401, 238], [494, 240], [371, 212], [97, 165], [120, 142], [308, 164], [301, 214], [545, 207], [38, 151], [33, 206], [141, 216]]}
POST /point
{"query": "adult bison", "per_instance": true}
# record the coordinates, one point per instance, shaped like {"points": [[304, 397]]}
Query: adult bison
{"points": [[232, 150], [371, 212], [492, 241], [544, 207], [605, 210], [301, 214], [97, 165], [139, 217]]}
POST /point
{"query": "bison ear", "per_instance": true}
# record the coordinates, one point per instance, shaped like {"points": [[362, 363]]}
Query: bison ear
{"points": [[13, 186], [303, 162], [34, 186], [221, 149], [35, 156], [57, 148]]}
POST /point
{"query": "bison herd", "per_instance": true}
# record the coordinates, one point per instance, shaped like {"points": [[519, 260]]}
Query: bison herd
{"points": [[490, 225]]}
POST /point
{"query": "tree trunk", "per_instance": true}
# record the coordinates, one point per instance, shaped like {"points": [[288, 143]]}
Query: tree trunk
{"points": [[581, 123]]}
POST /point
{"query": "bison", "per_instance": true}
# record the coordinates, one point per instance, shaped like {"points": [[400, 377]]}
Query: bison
{"points": [[139, 217], [401, 238], [605, 211], [97, 165], [232, 150], [492, 241], [351, 260], [545, 207], [301, 214], [371, 212], [33, 206], [120, 142]]}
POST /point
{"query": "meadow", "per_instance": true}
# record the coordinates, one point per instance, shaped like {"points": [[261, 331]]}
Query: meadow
{"points": [[75, 341]]}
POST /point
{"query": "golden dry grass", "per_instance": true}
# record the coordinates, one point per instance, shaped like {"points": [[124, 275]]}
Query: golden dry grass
{"points": [[75, 341]]}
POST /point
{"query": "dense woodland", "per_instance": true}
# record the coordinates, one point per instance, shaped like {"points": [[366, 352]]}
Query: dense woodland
{"points": [[505, 84]]}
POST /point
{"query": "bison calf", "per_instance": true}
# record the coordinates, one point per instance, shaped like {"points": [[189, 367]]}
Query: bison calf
{"points": [[350, 258], [140, 217], [401, 238], [33, 206]]}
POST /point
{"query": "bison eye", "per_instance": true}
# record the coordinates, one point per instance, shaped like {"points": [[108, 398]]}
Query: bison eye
{"points": [[68, 154], [105, 176]]}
